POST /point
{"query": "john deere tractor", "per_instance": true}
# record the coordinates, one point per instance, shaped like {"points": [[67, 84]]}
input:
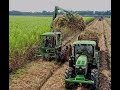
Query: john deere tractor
{"points": [[83, 64], [51, 42]]}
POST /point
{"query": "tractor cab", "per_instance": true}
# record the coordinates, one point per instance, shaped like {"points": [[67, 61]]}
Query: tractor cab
{"points": [[50, 44], [84, 47], [51, 39]]}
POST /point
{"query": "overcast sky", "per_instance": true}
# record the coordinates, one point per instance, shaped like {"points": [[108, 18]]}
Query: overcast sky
{"points": [[48, 5]]}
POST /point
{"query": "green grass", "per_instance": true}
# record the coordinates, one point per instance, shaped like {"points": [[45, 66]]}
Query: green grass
{"points": [[88, 19], [24, 31]]}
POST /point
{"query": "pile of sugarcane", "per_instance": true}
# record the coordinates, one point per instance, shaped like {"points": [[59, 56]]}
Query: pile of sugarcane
{"points": [[74, 22]]}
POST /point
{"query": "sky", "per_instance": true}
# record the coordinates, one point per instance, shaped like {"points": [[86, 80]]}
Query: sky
{"points": [[48, 5]]}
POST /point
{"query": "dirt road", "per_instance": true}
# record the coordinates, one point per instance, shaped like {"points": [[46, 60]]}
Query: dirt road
{"points": [[44, 75]]}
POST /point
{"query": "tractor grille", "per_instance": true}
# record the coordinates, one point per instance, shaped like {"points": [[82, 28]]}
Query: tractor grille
{"points": [[80, 71]]}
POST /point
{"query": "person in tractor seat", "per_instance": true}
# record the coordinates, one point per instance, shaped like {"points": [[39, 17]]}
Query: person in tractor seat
{"points": [[88, 51], [84, 49]]}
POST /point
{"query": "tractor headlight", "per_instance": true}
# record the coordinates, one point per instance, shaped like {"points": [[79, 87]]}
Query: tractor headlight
{"points": [[76, 66], [83, 67]]}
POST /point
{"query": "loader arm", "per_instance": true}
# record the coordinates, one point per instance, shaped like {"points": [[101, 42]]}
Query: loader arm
{"points": [[58, 10]]}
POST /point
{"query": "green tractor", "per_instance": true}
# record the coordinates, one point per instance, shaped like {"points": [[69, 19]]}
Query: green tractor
{"points": [[100, 18], [51, 43], [83, 64], [51, 47]]}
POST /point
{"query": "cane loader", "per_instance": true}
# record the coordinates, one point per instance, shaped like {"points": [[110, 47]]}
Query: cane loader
{"points": [[51, 42]]}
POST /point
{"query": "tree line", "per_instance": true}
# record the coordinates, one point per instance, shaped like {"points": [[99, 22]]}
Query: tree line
{"points": [[51, 13]]}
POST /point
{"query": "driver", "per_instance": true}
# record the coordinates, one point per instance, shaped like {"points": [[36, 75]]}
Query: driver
{"points": [[84, 49]]}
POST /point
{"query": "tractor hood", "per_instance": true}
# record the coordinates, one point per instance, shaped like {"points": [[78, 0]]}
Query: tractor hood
{"points": [[81, 61]]}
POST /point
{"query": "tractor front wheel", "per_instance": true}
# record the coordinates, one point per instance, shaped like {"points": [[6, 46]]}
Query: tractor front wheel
{"points": [[94, 77], [68, 74]]}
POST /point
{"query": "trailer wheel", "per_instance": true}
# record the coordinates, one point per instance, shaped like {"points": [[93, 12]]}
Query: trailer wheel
{"points": [[94, 77], [68, 74]]}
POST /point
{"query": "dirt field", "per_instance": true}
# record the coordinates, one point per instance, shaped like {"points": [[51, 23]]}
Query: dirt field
{"points": [[44, 75], [108, 21], [105, 53]]}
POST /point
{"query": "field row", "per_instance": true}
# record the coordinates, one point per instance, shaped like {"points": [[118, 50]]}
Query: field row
{"points": [[108, 21]]}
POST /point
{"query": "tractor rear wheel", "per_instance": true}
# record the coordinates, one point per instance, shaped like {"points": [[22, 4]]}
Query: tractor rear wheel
{"points": [[68, 74], [62, 59], [94, 77]]}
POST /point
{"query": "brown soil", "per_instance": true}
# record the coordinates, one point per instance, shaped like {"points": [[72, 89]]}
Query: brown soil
{"points": [[108, 21], [56, 81], [33, 75], [107, 31]]}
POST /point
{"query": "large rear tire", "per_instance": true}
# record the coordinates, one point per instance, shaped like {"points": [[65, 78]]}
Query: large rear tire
{"points": [[68, 74], [60, 58]]}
